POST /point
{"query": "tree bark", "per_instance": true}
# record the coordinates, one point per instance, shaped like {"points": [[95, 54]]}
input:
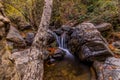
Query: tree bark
{"points": [[29, 63]]}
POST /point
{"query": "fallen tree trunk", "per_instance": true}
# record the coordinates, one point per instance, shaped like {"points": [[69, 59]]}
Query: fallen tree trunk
{"points": [[29, 63]]}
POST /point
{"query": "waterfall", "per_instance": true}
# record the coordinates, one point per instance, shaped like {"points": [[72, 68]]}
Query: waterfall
{"points": [[61, 42]]}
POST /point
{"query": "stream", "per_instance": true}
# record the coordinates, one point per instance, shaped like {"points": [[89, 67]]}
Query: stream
{"points": [[70, 68]]}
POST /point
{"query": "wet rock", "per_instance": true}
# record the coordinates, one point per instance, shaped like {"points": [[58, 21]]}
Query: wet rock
{"points": [[29, 38], [50, 39], [14, 36], [73, 45], [65, 28], [89, 43], [108, 70], [58, 54], [58, 31]]}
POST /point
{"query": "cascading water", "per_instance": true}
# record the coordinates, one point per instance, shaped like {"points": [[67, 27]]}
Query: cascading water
{"points": [[69, 68], [61, 40]]}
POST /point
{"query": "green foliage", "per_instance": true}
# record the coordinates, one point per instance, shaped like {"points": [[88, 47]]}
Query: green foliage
{"points": [[28, 10], [65, 11], [103, 11], [96, 11]]}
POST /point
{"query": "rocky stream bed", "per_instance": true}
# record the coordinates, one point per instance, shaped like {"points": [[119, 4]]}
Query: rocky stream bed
{"points": [[73, 53]]}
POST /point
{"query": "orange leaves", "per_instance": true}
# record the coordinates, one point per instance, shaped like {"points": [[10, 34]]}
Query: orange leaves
{"points": [[52, 50], [112, 47]]}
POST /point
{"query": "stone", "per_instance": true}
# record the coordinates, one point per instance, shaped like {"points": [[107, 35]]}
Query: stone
{"points": [[58, 31], [104, 26], [29, 38], [14, 36], [65, 28], [87, 43], [108, 70], [4, 26], [25, 26], [116, 44], [50, 39], [4, 19], [58, 54], [1, 24], [2, 33]]}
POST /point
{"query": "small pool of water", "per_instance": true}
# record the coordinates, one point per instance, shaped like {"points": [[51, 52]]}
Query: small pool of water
{"points": [[67, 69]]}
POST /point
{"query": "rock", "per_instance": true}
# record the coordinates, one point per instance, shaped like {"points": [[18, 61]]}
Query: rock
{"points": [[21, 23], [2, 33], [104, 27], [108, 70], [95, 50], [14, 36], [4, 26], [116, 44], [1, 24], [87, 42], [50, 39], [58, 54], [25, 26], [74, 46], [58, 31], [65, 28], [4, 19], [29, 38]]}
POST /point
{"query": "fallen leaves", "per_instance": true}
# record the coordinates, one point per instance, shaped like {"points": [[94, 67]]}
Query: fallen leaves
{"points": [[115, 50], [52, 50]]}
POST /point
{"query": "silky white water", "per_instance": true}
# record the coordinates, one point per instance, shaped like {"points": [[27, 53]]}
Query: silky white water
{"points": [[61, 40]]}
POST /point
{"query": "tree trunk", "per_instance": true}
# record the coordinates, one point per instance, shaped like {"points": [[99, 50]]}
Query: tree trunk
{"points": [[29, 63]]}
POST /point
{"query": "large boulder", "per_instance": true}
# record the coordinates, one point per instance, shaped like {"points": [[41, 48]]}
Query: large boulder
{"points": [[108, 70], [87, 42]]}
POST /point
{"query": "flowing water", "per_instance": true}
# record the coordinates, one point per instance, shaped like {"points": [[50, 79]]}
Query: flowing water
{"points": [[69, 68]]}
